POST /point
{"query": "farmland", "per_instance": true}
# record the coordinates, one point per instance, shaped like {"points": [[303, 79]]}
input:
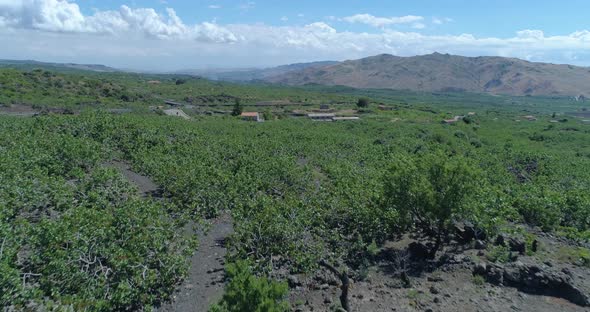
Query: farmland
{"points": [[303, 196]]}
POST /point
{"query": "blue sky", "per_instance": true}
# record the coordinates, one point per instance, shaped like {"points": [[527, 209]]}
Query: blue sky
{"points": [[174, 34], [499, 18]]}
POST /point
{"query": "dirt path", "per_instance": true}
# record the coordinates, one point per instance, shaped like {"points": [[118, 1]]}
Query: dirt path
{"points": [[204, 283], [145, 185]]}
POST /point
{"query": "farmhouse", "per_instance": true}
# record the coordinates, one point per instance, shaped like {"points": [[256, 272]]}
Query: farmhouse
{"points": [[385, 107], [454, 120], [251, 116], [529, 118], [345, 118], [321, 117]]}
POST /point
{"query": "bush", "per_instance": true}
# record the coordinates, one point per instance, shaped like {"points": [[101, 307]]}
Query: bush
{"points": [[237, 111], [363, 103], [429, 192], [246, 292]]}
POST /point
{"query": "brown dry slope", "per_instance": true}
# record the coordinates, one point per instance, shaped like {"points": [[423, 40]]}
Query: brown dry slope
{"points": [[442, 72]]}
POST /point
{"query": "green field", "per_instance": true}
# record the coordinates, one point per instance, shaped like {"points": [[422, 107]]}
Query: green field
{"points": [[74, 232]]}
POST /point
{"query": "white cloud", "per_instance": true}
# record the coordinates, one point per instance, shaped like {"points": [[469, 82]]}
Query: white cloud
{"points": [[247, 5], [284, 19], [440, 21], [418, 26], [132, 37], [66, 17], [381, 21], [214, 6]]}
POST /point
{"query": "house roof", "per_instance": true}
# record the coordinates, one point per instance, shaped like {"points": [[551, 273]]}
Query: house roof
{"points": [[249, 114], [320, 115], [346, 118]]}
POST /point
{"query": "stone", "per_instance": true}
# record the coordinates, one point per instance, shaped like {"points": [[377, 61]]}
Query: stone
{"points": [[517, 244], [293, 281], [465, 232], [436, 300], [434, 290], [536, 279], [418, 251], [480, 245], [480, 269], [500, 240]]}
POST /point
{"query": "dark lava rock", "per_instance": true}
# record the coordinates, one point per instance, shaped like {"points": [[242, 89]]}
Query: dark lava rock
{"points": [[517, 244], [500, 240], [534, 279], [293, 281], [480, 245], [418, 251], [465, 232], [434, 290]]}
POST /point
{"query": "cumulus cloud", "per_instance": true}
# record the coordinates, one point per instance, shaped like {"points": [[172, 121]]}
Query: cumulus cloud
{"points": [[130, 37], [375, 21], [440, 21], [64, 16]]}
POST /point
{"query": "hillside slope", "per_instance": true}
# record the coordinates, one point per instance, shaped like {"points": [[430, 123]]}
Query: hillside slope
{"points": [[248, 74], [443, 72]]}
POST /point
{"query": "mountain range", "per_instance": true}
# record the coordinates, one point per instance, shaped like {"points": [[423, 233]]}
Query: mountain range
{"points": [[428, 73], [63, 67], [447, 73], [253, 74]]}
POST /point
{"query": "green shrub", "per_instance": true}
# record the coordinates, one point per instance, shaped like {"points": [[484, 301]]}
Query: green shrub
{"points": [[500, 254], [478, 280], [429, 192], [246, 292]]}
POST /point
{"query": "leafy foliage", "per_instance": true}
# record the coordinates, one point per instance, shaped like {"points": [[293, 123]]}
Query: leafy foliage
{"points": [[430, 192], [246, 292]]}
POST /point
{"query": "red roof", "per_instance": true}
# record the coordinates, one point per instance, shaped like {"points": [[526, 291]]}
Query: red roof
{"points": [[249, 114]]}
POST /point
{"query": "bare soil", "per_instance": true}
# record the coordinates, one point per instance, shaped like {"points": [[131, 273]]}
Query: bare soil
{"points": [[205, 281], [18, 110], [146, 186], [448, 287]]}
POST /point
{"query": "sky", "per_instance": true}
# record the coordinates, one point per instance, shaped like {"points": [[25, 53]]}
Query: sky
{"points": [[166, 35]]}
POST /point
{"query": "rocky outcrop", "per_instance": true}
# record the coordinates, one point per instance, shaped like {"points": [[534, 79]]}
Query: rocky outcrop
{"points": [[533, 279]]}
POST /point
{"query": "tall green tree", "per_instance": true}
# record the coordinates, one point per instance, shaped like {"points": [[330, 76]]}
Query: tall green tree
{"points": [[429, 192], [363, 103], [237, 111]]}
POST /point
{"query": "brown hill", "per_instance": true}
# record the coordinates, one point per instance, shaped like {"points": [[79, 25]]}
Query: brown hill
{"points": [[442, 72]]}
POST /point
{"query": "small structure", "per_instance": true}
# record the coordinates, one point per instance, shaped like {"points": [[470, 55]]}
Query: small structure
{"points": [[345, 118], [154, 82], [299, 113], [530, 118], [324, 106], [471, 114], [172, 103], [454, 120], [251, 116], [385, 107], [321, 117]]}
